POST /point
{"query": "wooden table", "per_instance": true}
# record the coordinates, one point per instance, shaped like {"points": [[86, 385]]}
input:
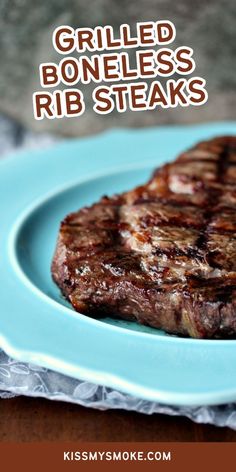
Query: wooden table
{"points": [[30, 419]]}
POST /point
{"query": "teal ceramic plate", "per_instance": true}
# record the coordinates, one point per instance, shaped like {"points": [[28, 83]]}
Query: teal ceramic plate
{"points": [[36, 325]]}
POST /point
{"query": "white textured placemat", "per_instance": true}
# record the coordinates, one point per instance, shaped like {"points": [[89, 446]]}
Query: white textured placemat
{"points": [[17, 378]]}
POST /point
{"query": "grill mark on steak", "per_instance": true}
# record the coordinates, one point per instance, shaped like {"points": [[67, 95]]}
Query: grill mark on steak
{"points": [[213, 199], [163, 254]]}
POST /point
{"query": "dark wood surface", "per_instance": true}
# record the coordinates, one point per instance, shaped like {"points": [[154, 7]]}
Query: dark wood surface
{"points": [[30, 419]]}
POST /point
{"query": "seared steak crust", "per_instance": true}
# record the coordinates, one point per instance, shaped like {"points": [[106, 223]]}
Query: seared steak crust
{"points": [[163, 254]]}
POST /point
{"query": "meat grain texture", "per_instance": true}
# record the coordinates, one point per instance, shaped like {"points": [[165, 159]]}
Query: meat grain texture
{"points": [[163, 254]]}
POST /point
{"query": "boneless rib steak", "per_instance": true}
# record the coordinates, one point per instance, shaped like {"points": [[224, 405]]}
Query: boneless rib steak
{"points": [[163, 254]]}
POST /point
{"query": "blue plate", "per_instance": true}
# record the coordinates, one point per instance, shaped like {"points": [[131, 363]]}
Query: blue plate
{"points": [[36, 325]]}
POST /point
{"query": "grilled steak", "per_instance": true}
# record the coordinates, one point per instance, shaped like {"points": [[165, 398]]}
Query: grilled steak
{"points": [[163, 254]]}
